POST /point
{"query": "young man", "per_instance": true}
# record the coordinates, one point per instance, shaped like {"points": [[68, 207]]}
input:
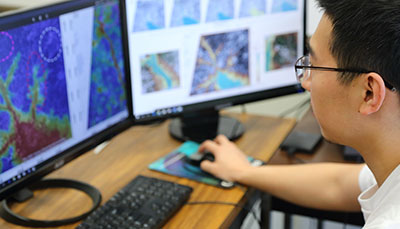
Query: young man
{"points": [[352, 76]]}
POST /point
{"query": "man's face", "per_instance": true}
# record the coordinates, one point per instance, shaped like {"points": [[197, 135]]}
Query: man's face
{"points": [[329, 98]]}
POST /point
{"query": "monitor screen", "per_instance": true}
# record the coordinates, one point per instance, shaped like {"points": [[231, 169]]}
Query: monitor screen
{"points": [[62, 83], [188, 55]]}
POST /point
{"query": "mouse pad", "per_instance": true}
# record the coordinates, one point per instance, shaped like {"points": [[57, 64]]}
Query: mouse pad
{"points": [[174, 164]]}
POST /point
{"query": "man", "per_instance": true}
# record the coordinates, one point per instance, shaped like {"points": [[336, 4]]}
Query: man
{"points": [[352, 75]]}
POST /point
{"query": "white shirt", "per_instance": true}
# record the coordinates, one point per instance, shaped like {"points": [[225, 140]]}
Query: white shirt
{"points": [[380, 205]]}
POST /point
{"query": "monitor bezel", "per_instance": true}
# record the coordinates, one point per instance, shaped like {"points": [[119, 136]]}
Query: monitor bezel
{"points": [[219, 104], [84, 146]]}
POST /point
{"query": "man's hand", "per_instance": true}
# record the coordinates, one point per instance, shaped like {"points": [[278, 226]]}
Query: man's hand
{"points": [[229, 161], [326, 186]]}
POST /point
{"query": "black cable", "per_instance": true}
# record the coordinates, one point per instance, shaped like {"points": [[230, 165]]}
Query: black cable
{"points": [[12, 217], [228, 203]]}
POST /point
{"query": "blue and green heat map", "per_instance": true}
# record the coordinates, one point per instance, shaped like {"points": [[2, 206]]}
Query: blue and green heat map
{"points": [[107, 89], [34, 112], [160, 71], [222, 62]]}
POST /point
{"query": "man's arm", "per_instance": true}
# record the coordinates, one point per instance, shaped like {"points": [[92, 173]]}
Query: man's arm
{"points": [[327, 186]]}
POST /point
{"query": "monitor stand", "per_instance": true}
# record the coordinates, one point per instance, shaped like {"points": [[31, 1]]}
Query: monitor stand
{"points": [[7, 214], [203, 125]]}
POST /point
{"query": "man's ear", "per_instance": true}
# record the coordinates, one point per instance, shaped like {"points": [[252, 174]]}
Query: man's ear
{"points": [[374, 92]]}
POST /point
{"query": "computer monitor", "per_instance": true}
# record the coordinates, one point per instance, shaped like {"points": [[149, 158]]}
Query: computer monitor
{"points": [[62, 86], [191, 58]]}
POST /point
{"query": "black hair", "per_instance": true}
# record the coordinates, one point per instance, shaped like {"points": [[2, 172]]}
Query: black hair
{"points": [[366, 35]]}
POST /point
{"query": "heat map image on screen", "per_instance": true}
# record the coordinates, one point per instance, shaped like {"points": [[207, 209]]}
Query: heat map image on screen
{"points": [[219, 10], [107, 81], [222, 62], [160, 71], [281, 51], [252, 8], [149, 15], [284, 5], [34, 112], [185, 13]]}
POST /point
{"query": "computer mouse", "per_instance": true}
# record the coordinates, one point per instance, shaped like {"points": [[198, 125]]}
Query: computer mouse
{"points": [[196, 158]]}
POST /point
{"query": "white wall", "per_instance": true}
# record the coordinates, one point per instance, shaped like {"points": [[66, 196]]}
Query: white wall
{"points": [[313, 16]]}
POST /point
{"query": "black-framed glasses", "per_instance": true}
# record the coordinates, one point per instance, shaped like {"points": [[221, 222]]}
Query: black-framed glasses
{"points": [[303, 70]]}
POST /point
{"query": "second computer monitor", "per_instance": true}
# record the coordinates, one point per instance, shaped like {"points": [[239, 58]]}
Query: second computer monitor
{"points": [[62, 86], [193, 55]]}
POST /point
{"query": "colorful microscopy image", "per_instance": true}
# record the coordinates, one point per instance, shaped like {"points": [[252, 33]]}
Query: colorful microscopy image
{"points": [[284, 5], [149, 15], [34, 111], [219, 10], [222, 62], [281, 51], [107, 82], [185, 12], [251, 8], [160, 71]]}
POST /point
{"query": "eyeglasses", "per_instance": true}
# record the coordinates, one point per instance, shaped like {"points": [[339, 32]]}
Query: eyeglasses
{"points": [[303, 71]]}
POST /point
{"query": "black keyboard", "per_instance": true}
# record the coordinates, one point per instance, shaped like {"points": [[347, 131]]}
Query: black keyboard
{"points": [[143, 203]]}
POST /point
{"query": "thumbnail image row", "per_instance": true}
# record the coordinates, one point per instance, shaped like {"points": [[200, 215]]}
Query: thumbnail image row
{"points": [[222, 63], [150, 14]]}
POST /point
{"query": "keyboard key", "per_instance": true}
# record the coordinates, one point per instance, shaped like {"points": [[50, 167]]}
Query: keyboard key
{"points": [[143, 203]]}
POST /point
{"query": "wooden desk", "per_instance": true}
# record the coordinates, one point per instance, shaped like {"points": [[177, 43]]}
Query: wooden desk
{"points": [[129, 154]]}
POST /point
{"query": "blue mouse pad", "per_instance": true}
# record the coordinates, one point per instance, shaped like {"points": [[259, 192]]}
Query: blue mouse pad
{"points": [[174, 164]]}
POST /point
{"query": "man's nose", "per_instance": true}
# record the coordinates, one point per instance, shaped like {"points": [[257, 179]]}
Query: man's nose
{"points": [[306, 83]]}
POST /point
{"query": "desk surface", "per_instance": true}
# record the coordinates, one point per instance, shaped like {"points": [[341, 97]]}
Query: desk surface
{"points": [[129, 154]]}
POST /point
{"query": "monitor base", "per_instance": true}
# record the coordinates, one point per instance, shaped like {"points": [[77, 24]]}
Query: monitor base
{"points": [[7, 214], [204, 126]]}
